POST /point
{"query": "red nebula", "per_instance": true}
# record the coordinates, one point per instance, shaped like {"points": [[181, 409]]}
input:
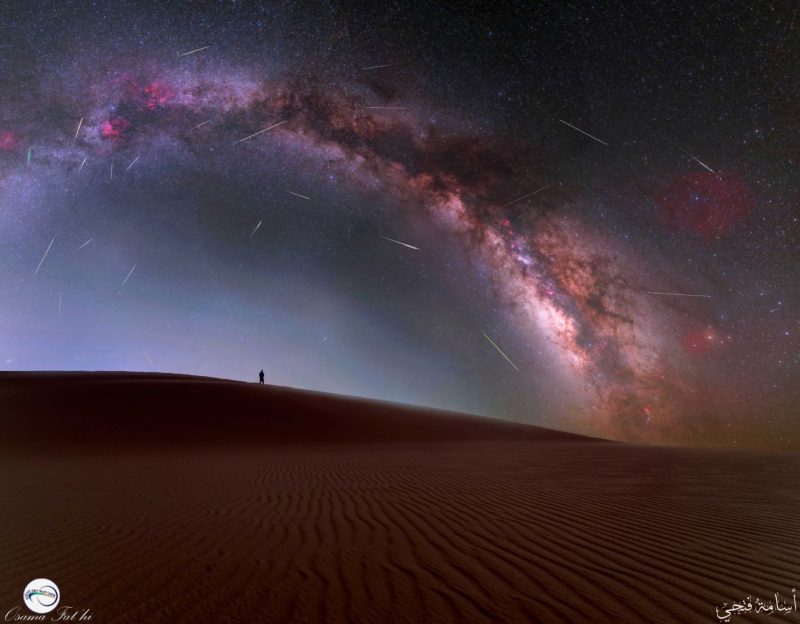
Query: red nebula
{"points": [[158, 94], [705, 203], [114, 128], [699, 342], [8, 141]]}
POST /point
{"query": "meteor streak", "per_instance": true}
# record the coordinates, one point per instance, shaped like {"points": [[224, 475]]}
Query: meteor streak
{"points": [[86, 243], [298, 194], [132, 163], [255, 230], [80, 123], [526, 196], [400, 243], [44, 256], [147, 357], [690, 155], [375, 66], [261, 131], [671, 294], [193, 51], [582, 132], [500, 351], [127, 277]]}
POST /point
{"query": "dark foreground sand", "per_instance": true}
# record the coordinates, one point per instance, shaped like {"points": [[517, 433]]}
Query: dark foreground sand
{"points": [[176, 499]]}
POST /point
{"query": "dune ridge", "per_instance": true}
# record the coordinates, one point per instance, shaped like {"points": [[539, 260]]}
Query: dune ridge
{"points": [[133, 409]]}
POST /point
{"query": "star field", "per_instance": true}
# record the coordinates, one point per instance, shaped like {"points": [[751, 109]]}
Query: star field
{"points": [[582, 217]]}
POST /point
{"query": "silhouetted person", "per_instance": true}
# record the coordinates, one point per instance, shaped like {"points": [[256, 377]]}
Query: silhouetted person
{"points": [[261, 378]]}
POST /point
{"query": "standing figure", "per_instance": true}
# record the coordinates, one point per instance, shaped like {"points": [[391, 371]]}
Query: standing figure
{"points": [[261, 378]]}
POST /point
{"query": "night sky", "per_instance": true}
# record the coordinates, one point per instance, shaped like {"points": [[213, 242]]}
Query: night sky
{"points": [[549, 169]]}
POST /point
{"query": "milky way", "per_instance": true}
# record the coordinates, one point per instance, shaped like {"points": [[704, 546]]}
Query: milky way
{"points": [[104, 151]]}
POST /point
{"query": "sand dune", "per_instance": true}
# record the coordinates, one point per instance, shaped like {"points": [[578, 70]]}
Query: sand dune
{"points": [[127, 410], [177, 499]]}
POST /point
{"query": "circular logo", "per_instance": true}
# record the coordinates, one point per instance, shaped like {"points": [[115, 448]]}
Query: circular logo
{"points": [[41, 595]]}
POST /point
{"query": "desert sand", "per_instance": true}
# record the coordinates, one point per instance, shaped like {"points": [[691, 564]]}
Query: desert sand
{"points": [[159, 498]]}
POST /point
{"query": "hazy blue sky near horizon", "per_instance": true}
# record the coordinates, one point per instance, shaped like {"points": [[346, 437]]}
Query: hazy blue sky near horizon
{"points": [[606, 195]]}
